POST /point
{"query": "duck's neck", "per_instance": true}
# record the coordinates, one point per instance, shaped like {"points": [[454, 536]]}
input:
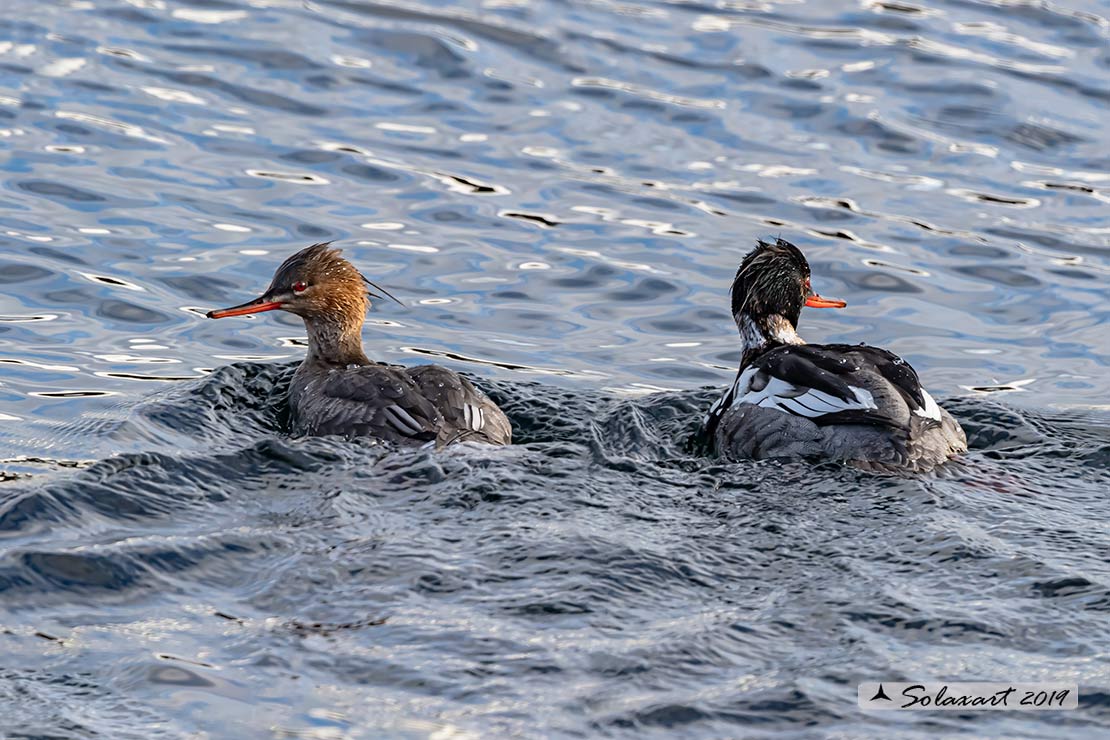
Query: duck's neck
{"points": [[335, 342], [757, 334]]}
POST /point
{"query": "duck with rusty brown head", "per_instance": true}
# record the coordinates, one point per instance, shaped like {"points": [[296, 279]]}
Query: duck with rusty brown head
{"points": [[338, 390]]}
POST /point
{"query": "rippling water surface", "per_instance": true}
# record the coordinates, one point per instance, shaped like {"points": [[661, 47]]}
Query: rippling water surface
{"points": [[560, 190]]}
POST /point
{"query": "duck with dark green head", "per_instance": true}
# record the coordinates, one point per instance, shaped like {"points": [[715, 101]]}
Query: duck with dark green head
{"points": [[859, 404]]}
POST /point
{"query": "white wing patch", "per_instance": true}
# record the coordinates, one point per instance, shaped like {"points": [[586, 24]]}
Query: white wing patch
{"points": [[930, 410], [403, 420], [808, 402], [474, 417]]}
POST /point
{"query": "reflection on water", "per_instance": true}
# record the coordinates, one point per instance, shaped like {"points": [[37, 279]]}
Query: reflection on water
{"points": [[560, 192]]}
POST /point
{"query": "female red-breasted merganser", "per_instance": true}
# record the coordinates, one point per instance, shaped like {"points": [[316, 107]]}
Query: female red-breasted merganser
{"points": [[337, 390], [855, 403]]}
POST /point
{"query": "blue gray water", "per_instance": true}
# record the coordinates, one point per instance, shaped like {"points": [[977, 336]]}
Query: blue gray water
{"points": [[560, 191]]}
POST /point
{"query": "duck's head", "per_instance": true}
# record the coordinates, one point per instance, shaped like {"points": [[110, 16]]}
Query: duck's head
{"points": [[318, 285], [770, 289]]}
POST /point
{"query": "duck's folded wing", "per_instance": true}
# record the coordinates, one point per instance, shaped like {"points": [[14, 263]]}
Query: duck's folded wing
{"points": [[379, 401], [812, 381], [901, 375], [467, 412]]}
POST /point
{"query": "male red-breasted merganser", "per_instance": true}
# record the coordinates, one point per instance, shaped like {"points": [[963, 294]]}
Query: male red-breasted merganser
{"points": [[337, 390], [854, 403]]}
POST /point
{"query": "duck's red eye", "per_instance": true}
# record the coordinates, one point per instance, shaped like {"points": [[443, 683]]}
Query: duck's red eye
{"points": [[807, 284], [300, 286]]}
